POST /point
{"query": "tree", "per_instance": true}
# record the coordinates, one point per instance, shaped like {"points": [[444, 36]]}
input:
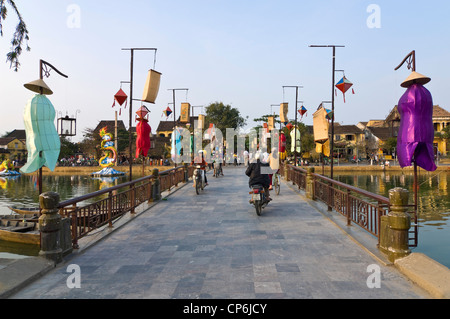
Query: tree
{"points": [[20, 35], [68, 148], [224, 116]]}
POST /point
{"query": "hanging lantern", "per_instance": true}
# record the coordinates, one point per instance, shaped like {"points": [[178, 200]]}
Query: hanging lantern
{"points": [[121, 98], [343, 85], [143, 131], [167, 112], [302, 111], [329, 114], [142, 112], [151, 86], [289, 126], [66, 126]]}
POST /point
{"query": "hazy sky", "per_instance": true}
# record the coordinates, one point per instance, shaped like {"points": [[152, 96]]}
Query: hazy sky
{"points": [[238, 52]]}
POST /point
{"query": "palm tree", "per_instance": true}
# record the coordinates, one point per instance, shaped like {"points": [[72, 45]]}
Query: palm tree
{"points": [[20, 35]]}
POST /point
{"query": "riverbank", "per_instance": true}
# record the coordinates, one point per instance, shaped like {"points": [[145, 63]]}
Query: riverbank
{"points": [[137, 169]]}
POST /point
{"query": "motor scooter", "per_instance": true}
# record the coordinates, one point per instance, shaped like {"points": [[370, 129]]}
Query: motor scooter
{"points": [[217, 169], [199, 180], [259, 198]]}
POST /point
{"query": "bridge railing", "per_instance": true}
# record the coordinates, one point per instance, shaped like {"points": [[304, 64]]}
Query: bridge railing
{"points": [[358, 206], [92, 211]]}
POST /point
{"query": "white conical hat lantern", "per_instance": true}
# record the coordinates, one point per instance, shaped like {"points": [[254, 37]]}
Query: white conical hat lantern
{"points": [[415, 77], [39, 86]]}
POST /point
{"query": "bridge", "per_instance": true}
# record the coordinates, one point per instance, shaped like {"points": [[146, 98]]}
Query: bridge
{"points": [[214, 246]]}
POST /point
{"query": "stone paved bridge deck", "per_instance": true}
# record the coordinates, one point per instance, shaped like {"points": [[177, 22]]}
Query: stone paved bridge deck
{"points": [[215, 246]]}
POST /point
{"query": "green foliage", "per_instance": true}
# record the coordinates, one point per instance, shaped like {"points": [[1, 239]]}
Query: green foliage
{"points": [[390, 144], [19, 36], [68, 148], [224, 116]]}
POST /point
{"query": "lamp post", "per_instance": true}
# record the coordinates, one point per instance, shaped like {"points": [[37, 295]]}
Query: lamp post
{"points": [[295, 132], [332, 97], [131, 101]]}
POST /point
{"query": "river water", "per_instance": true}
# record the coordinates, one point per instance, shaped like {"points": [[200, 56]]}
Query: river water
{"points": [[433, 203]]}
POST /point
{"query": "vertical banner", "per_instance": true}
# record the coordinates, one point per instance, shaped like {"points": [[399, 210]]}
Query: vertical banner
{"points": [[151, 87], [284, 112], [270, 121], [320, 125], [185, 109], [201, 122]]}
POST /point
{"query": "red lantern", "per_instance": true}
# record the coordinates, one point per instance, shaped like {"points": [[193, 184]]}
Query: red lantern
{"points": [[143, 131], [289, 126], [282, 143]]}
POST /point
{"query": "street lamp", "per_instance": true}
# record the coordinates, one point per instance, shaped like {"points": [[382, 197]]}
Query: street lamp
{"points": [[332, 96]]}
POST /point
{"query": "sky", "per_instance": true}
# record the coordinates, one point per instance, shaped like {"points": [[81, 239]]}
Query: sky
{"points": [[239, 52]]}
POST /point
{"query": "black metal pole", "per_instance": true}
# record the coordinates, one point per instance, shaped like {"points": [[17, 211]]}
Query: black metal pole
{"points": [[130, 137], [332, 98], [295, 132], [130, 140], [295, 128], [332, 115]]}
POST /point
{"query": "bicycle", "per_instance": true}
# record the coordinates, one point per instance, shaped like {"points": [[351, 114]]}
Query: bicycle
{"points": [[276, 182]]}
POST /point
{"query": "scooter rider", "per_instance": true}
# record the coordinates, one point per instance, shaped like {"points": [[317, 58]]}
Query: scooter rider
{"points": [[256, 178], [200, 160]]}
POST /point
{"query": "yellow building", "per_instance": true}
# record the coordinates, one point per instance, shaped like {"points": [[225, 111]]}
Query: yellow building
{"points": [[12, 148], [441, 120]]}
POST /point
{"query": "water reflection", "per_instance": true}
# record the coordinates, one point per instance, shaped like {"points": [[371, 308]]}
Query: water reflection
{"points": [[23, 190], [433, 196]]}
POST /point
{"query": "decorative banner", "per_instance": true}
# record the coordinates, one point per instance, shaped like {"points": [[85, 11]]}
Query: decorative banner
{"points": [[151, 87], [185, 111], [201, 121], [270, 122], [284, 112], [295, 133], [343, 85], [42, 139], [320, 125]]}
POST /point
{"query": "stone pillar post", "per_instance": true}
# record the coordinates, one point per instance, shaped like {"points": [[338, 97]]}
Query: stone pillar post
{"points": [[395, 226], [50, 227], [310, 183], [156, 186]]}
